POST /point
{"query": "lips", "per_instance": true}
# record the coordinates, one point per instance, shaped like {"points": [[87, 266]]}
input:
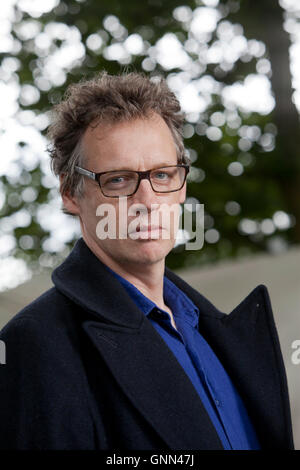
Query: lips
{"points": [[146, 231], [148, 228]]}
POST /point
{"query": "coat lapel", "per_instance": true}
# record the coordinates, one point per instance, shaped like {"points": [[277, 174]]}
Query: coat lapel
{"points": [[155, 383]]}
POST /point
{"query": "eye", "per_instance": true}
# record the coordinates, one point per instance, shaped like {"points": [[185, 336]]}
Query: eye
{"points": [[161, 175], [116, 179]]}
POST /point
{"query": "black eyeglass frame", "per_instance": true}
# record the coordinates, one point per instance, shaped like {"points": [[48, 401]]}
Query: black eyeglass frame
{"points": [[141, 175]]}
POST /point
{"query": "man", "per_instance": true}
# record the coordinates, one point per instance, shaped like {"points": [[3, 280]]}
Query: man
{"points": [[121, 353]]}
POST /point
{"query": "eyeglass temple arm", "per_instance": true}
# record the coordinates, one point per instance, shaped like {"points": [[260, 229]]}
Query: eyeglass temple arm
{"points": [[87, 173]]}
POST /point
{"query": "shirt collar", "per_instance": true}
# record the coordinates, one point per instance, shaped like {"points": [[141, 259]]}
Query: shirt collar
{"points": [[182, 307]]}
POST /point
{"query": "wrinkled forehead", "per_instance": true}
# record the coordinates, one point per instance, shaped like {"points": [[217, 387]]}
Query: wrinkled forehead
{"points": [[128, 141]]}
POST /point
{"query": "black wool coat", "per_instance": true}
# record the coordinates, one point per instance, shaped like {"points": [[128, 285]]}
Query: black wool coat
{"points": [[85, 369]]}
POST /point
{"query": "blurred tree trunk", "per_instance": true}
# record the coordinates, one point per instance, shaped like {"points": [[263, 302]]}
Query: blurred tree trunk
{"points": [[263, 20]]}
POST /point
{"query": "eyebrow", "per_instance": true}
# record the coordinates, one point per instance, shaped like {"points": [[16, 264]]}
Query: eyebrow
{"points": [[124, 168]]}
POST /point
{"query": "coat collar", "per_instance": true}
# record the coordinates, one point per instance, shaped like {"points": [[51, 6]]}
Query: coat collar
{"points": [[245, 341], [84, 279]]}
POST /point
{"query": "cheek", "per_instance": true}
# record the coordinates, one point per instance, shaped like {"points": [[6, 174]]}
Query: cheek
{"points": [[107, 221], [88, 210], [89, 206]]}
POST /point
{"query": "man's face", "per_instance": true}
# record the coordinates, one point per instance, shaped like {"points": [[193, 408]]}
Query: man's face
{"points": [[140, 144]]}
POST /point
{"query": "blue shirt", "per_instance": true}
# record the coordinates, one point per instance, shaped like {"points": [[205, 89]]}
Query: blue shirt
{"points": [[214, 387]]}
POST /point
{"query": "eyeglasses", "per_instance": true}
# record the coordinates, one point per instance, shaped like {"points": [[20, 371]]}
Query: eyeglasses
{"points": [[119, 183]]}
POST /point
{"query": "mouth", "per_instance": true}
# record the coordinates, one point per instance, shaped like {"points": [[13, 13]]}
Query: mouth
{"points": [[146, 232], [149, 228]]}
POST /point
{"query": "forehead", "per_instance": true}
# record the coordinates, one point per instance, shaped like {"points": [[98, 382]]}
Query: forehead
{"points": [[129, 143]]}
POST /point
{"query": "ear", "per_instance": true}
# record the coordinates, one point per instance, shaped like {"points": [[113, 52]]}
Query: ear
{"points": [[70, 202]]}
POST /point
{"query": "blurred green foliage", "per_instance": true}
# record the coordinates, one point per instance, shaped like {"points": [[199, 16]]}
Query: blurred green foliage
{"points": [[265, 178]]}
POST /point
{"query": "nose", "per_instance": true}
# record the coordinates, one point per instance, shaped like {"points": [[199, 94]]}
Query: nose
{"points": [[145, 194]]}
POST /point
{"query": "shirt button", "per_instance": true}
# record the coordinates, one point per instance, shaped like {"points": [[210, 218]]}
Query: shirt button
{"points": [[217, 403]]}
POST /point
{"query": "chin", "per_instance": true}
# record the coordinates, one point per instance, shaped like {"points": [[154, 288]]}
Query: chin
{"points": [[138, 252], [150, 251]]}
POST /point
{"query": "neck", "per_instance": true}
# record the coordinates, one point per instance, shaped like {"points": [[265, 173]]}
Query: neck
{"points": [[147, 278]]}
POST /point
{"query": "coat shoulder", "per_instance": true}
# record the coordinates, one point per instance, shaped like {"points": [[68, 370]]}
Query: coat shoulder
{"points": [[43, 331], [48, 309], [44, 379]]}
